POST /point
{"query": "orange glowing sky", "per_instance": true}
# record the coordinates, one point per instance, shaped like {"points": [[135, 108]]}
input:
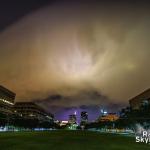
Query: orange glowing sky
{"points": [[69, 48]]}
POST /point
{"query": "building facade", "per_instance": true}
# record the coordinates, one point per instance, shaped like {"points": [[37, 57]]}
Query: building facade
{"points": [[7, 99], [139, 100], [30, 110]]}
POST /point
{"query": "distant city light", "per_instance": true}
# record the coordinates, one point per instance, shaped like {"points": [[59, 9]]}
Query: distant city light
{"points": [[102, 110], [75, 112], [105, 112]]}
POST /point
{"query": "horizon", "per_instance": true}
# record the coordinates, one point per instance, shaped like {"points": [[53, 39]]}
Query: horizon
{"points": [[80, 55]]}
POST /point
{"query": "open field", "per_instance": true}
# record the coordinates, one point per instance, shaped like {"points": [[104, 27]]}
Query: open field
{"points": [[67, 140]]}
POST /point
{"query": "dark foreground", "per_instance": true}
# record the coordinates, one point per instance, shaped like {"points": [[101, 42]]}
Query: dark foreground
{"points": [[67, 140]]}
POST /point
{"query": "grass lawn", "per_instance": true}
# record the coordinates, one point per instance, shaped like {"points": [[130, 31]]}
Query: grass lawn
{"points": [[67, 140]]}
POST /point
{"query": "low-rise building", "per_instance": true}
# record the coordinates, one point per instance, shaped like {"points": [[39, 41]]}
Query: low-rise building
{"points": [[109, 117], [63, 123], [30, 110]]}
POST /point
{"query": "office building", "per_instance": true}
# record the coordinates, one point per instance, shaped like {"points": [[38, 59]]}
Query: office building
{"points": [[139, 100], [7, 98], [30, 110]]}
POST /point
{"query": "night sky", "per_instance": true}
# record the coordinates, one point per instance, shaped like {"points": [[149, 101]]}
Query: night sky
{"points": [[75, 55]]}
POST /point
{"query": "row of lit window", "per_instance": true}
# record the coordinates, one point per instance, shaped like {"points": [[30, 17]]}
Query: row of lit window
{"points": [[5, 101]]}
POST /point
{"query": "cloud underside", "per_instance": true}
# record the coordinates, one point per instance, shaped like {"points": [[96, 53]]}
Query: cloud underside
{"points": [[71, 50]]}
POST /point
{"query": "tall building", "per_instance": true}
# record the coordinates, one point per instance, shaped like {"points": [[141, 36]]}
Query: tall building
{"points": [[72, 119], [84, 117], [31, 110], [7, 98], [139, 100]]}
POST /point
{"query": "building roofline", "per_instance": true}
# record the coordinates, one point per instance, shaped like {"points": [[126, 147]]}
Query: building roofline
{"points": [[36, 105], [145, 91], [7, 90]]}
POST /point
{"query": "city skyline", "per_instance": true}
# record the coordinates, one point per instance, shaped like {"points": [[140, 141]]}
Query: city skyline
{"points": [[80, 55]]}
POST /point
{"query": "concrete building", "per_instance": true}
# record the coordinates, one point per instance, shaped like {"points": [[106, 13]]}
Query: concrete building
{"points": [[139, 100], [7, 98], [31, 110]]}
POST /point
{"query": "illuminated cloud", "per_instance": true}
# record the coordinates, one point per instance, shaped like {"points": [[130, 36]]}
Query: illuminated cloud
{"points": [[75, 49]]}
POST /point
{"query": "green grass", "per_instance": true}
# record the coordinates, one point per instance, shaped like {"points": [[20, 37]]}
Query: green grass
{"points": [[67, 140]]}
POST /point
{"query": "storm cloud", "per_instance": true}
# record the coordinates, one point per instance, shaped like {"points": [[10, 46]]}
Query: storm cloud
{"points": [[76, 50]]}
